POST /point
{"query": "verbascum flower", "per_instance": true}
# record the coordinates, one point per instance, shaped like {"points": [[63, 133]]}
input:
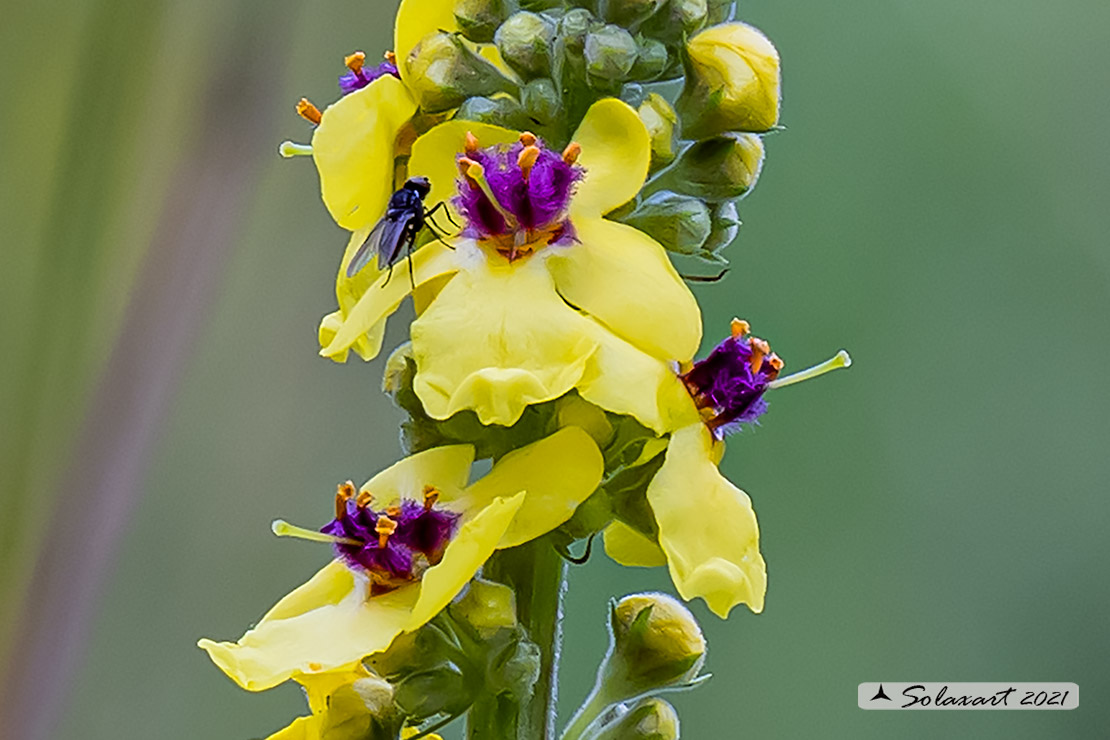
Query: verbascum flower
{"points": [[543, 294], [407, 543], [357, 138], [706, 529], [732, 82]]}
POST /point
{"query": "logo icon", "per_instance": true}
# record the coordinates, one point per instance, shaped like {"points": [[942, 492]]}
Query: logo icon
{"points": [[881, 694]]}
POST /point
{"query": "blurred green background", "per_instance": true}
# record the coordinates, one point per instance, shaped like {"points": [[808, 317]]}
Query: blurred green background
{"points": [[937, 205]]}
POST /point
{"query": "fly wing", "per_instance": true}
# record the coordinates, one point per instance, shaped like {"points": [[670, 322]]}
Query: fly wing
{"points": [[368, 248], [398, 230]]}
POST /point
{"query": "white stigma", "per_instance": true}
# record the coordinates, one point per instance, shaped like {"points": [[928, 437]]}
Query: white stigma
{"points": [[839, 360], [290, 149], [283, 528]]}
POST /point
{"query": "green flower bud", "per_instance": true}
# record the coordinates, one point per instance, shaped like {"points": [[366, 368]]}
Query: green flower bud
{"points": [[677, 19], [486, 606], [718, 169], [573, 27], [515, 668], [501, 111], [652, 60], [720, 11], [648, 719], [633, 94], [661, 121], [541, 100], [610, 54], [525, 41], [363, 710], [726, 224], [627, 12], [733, 82], [441, 690], [655, 644], [681, 223], [442, 72], [479, 19]]}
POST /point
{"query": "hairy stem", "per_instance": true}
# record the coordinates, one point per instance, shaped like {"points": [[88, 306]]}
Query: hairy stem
{"points": [[537, 573]]}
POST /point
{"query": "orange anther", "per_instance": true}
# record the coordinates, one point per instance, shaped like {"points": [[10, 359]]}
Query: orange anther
{"points": [[739, 328], [527, 159], [346, 490], [776, 362], [364, 499], [527, 138], [354, 62], [385, 527], [390, 57], [570, 154], [760, 349], [308, 111], [394, 511], [471, 143], [431, 495]]}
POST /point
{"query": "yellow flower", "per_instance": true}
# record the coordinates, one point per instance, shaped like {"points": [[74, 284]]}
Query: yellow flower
{"points": [[733, 82], [531, 311], [344, 613]]}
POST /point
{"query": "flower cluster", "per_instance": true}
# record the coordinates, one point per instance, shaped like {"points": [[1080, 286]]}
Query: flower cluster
{"points": [[554, 335]]}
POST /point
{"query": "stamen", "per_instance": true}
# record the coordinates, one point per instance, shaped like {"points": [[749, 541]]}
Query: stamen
{"points": [[841, 359], [527, 138], [282, 528], [776, 362], [390, 57], [393, 511], [471, 143], [571, 153], [364, 499], [308, 111], [385, 528], [476, 174], [431, 495], [346, 490], [739, 328], [355, 62], [760, 349], [527, 160], [290, 149]]}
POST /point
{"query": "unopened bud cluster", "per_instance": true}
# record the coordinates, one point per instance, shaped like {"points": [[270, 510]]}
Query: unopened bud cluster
{"points": [[555, 58]]}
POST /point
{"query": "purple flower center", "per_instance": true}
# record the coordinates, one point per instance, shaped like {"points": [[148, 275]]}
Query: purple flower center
{"points": [[394, 545], [516, 196], [728, 385], [359, 76]]}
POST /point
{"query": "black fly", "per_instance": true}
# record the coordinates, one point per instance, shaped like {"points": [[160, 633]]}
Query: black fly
{"points": [[404, 217]]}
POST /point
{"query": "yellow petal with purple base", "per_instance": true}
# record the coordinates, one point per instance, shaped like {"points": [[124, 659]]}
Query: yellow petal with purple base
{"points": [[471, 546], [707, 527], [558, 473], [623, 278], [353, 148], [446, 468]]}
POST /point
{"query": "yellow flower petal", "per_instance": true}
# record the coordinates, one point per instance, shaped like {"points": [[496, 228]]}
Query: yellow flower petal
{"points": [[347, 292], [616, 153], [302, 728], [622, 379], [434, 154], [382, 298], [706, 527], [496, 340], [353, 148], [319, 686], [416, 19], [628, 547], [311, 630], [469, 549], [623, 278], [557, 473], [447, 468]]}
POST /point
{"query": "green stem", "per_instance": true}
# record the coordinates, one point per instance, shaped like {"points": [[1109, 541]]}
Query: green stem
{"points": [[537, 573]]}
